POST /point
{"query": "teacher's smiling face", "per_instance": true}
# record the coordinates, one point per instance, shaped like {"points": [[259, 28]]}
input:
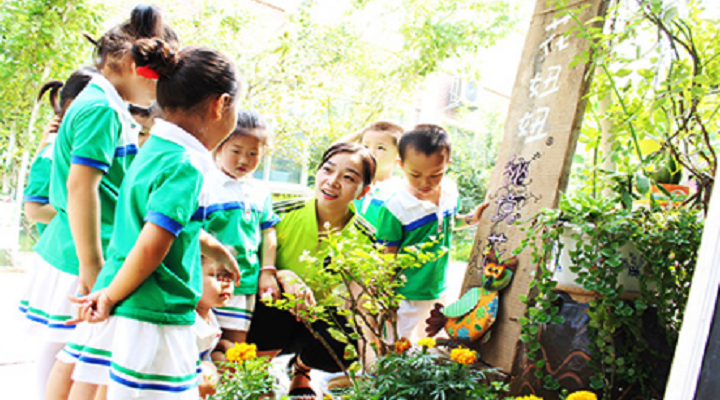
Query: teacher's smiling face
{"points": [[339, 181]]}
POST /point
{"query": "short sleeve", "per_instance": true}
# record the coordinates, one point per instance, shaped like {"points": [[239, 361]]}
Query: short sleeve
{"points": [[389, 228], [173, 198], [95, 134], [269, 218], [38, 187]]}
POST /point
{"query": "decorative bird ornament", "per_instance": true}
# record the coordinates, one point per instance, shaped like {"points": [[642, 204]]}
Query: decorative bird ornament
{"points": [[470, 318]]}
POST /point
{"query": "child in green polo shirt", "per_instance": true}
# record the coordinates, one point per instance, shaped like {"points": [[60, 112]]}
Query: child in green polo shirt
{"points": [[424, 209], [147, 292], [240, 215], [37, 207], [96, 143]]}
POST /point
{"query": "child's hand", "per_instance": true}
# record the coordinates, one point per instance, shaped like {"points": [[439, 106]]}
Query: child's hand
{"points": [[475, 216], [51, 127], [223, 257], [94, 307]]}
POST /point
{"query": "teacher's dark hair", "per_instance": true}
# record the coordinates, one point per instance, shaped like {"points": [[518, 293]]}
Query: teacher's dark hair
{"points": [[368, 161]]}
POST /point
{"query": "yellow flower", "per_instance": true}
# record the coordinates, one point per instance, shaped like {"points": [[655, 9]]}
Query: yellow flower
{"points": [[402, 345], [427, 342], [582, 395], [463, 355], [241, 352], [529, 397]]}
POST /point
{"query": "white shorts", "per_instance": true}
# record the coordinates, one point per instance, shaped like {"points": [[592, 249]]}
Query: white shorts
{"points": [[411, 316], [140, 360], [90, 349], [237, 315], [45, 302]]}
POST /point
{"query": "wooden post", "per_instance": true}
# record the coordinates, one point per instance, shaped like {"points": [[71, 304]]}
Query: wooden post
{"points": [[541, 131]]}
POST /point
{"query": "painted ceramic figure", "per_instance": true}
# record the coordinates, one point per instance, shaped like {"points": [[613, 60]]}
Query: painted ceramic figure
{"points": [[470, 318]]}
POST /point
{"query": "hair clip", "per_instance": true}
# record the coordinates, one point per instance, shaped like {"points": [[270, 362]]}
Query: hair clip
{"points": [[146, 72]]}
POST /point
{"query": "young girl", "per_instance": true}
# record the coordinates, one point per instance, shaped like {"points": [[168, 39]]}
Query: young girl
{"points": [[36, 205], [96, 143], [147, 292], [240, 215], [36, 202]]}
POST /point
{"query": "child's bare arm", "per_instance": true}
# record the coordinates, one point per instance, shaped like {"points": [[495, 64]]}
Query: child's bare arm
{"points": [[464, 221], [151, 247], [390, 249], [84, 217], [267, 281], [211, 247], [39, 212]]}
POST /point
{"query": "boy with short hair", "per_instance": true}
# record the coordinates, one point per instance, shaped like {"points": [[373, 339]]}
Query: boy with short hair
{"points": [[423, 209]]}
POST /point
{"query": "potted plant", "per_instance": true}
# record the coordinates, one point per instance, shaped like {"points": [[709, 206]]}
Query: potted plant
{"points": [[665, 242]]}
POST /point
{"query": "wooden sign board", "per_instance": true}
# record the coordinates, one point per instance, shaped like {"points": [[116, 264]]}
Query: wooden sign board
{"points": [[695, 370], [533, 165]]}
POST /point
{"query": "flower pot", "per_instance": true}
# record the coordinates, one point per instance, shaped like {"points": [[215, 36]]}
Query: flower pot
{"points": [[679, 192], [629, 277]]}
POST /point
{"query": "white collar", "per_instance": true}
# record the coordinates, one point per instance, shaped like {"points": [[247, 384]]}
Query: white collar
{"points": [[173, 133], [112, 94], [224, 179], [448, 197]]}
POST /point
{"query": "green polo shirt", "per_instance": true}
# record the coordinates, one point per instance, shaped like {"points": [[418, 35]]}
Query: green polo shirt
{"points": [[369, 206], [406, 221], [164, 187], [38, 186], [297, 233], [97, 131], [238, 213]]}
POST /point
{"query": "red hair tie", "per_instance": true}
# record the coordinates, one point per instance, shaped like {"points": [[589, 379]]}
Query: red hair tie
{"points": [[146, 72]]}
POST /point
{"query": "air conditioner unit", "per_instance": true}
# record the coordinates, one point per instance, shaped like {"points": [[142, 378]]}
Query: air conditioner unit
{"points": [[463, 93], [470, 93], [455, 93]]}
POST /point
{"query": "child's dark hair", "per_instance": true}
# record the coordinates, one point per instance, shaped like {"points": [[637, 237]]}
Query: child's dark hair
{"points": [[68, 90], [189, 77], [368, 161], [427, 139], [250, 123], [145, 22], [396, 131]]}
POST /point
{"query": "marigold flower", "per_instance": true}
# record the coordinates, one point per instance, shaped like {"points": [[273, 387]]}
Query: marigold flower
{"points": [[582, 395], [241, 352], [463, 355], [402, 345], [529, 397], [427, 342]]}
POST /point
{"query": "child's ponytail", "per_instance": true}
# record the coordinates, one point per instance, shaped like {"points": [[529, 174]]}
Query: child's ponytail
{"points": [[67, 91], [145, 23], [54, 88], [156, 55]]}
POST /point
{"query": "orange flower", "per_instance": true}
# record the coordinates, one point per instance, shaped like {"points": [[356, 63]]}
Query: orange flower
{"points": [[402, 345], [582, 395], [463, 355], [241, 352]]}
